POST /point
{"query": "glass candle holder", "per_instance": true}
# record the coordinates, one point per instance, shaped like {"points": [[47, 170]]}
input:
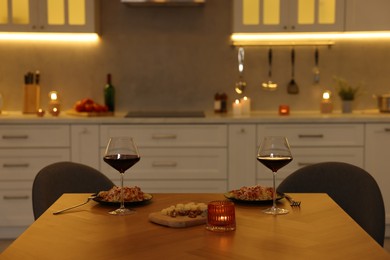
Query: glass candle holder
{"points": [[221, 216], [284, 110]]}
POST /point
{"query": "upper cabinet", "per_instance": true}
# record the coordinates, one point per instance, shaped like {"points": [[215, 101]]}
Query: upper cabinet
{"points": [[48, 15], [288, 15], [363, 15]]}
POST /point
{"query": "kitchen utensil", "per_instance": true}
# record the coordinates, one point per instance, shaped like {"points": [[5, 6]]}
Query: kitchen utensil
{"points": [[75, 206], [316, 69], [383, 102], [292, 87], [240, 84], [293, 203], [269, 85]]}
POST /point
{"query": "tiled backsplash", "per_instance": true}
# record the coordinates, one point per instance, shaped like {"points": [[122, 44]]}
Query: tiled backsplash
{"points": [[178, 58]]}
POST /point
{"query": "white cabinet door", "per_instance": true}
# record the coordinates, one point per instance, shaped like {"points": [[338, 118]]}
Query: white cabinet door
{"points": [[15, 205], [48, 15], [377, 159], [288, 16], [242, 156], [85, 145], [315, 143], [308, 155], [363, 15]]}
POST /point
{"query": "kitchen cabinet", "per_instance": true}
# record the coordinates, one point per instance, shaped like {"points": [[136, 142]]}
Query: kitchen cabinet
{"points": [[48, 15], [242, 155], [314, 143], [173, 157], [85, 145], [24, 151], [364, 15], [288, 15], [376, 159]]}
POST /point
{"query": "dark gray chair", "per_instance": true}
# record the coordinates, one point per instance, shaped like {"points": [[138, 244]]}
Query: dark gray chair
{"points": [[351, 187], [65, 177]]}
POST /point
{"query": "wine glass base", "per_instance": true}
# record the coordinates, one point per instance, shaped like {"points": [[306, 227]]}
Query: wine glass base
{"points": [[275, 211], [122, 212]]}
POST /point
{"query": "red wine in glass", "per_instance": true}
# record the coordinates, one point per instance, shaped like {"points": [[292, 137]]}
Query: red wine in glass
{"points": [[122, 162], [274, 163]]}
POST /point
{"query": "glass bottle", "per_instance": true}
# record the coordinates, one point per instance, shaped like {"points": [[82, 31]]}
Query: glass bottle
{"points": [[109, 94]]}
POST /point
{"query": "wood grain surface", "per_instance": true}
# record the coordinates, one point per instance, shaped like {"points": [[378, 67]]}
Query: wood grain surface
{"points": [[319, 229]]}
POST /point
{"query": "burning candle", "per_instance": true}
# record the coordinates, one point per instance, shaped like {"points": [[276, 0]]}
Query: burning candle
{"points": [[221, 216], [326, 103], [237, 108], [40, 112], [245, 105], [284, 110]]}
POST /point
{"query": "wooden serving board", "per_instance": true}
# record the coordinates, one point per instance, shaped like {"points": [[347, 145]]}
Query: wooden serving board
{"points": [[88, 114], [177, 222]]}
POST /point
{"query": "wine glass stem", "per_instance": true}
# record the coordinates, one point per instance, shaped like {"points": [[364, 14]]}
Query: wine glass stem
{"points": [[122, 193], [274, 193]]}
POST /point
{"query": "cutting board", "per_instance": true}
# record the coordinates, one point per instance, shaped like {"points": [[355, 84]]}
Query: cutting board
{"points": [[177, 222], [88, 114]]}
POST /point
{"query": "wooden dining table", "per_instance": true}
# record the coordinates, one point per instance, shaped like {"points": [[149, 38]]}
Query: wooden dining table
{"points": [[318, 229]]}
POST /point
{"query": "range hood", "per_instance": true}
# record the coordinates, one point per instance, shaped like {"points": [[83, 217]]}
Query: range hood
{"points": [[163, 2]]}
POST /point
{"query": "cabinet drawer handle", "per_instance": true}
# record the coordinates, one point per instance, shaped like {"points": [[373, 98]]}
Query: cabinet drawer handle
{"points": [[387, 129], [164, 164], [311, 136], [166, 136], [15, 136], [302, 164], [16, 165], [23, 197]]}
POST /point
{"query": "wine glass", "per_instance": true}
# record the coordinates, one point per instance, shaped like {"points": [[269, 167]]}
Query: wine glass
{"points": [[121, 154], [274, 152]]}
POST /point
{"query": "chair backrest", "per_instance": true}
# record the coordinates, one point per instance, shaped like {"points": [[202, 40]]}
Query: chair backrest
{"points": [[65, 177], [351, 187]]}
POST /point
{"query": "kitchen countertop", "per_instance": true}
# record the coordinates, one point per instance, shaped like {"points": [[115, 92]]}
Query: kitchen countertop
{"points": [[363, 116]]}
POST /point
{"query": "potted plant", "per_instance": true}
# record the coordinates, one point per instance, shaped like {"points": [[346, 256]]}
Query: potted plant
{"points": [[347, 93]]}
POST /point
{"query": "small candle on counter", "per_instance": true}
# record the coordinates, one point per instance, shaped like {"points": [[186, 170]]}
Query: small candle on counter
{"points": [[284, 110], [40, 112], [237, 108], [245, 105], [326, 103]]}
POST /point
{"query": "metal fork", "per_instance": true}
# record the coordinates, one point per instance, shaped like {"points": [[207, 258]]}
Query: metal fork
{"points": [[75, 206], [293, 203]]}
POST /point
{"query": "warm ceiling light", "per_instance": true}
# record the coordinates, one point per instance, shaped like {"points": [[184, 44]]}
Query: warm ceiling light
{"points": [[303, 38], [53, 37]]}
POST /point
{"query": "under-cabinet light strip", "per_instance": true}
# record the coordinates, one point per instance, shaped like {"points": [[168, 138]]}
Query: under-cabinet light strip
{"points": [[53, 37], [303, 38]]}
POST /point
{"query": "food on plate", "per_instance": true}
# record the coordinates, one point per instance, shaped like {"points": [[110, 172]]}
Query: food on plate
{"points": [[130, 194], [256, 192], [89, 105], [191, 210]]}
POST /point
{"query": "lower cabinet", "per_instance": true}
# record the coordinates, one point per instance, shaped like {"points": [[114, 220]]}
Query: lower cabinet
{"points": [[24, 151], [242, 155], [85, 145], [376, 161], [314, 143], [174, 158]]}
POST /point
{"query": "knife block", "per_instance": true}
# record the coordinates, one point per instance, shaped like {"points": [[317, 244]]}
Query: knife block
{"points": [[31, 98]]}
